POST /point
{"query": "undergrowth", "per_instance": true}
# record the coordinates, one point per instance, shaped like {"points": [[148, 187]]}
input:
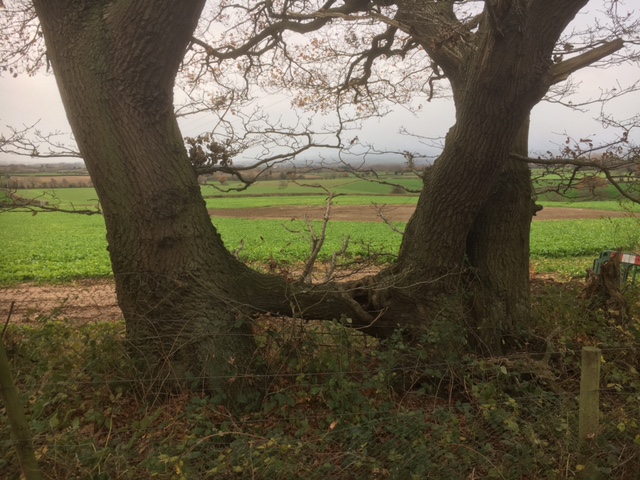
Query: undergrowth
{"points": [[339, 405]]}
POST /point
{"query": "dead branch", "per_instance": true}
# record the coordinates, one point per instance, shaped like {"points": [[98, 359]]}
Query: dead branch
{"points": [[317, 241], [387, 222], [561, 71], [330, 274]]}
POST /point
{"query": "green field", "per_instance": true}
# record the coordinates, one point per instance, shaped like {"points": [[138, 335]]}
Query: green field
{"points": [[62, 197], [308, 201], [348, 186], [56, 247], [267, 194], [333, 403]]}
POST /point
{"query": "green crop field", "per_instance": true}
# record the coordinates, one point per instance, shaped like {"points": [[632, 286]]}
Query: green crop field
{"points": [[239, 202], [56, 247], [352, 191], [267, 194], [63, 197], [348, 186]]}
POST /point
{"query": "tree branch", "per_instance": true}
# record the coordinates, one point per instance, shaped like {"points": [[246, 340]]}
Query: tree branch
{"points": [[562, 70], [607, 171]]}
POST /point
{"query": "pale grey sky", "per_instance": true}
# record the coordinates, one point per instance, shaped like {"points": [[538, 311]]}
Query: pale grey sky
{"points": [[27, 100]]}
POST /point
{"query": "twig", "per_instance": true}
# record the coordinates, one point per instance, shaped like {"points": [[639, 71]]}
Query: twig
{"points": [[13, 303], [386, 220], [317, 242]]}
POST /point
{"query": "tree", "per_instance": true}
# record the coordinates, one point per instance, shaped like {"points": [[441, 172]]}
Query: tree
{"points": [[471, 228], [186, 300]]}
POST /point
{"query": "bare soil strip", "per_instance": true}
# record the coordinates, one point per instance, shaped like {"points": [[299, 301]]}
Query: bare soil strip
{"points": [[81, 301], [394, 213]]}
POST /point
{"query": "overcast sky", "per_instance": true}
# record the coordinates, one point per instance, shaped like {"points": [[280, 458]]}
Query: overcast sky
{"points": [[27, 100]]}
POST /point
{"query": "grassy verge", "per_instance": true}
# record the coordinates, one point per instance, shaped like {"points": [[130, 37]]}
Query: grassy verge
{"points": [[609, 205], [338, 406]]}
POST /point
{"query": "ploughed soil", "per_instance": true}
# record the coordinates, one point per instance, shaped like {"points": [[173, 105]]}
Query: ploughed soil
{"points": [[393, 213], [94, 300]]}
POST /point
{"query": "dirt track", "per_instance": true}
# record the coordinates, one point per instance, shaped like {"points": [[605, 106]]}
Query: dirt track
{"points": [[394, 213], [95, 300]]}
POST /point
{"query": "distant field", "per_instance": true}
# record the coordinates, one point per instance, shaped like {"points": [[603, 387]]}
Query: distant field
{"points": [[62, 197], [601, 189], [308, 200], [352, 191], [267, 194], [56, 247], [48, 180], [52, 247], [350, 185]]}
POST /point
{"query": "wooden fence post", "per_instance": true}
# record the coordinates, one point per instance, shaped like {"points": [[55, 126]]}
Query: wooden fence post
{"points": [[589, 394], [17, 420]]}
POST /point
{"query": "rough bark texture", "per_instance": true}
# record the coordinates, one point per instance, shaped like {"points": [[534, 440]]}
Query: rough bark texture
{"points": [[465, 252], [498, 256], [185, 299], [115, 65]]}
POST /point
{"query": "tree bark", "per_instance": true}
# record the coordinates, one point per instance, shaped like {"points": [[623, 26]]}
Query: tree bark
{"points": [[498, 256], [115, 64], [465, 252]]}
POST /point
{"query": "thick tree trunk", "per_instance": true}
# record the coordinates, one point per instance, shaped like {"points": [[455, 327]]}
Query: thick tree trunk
{"points": [[464, 257], [115, 67], [498, 256]]}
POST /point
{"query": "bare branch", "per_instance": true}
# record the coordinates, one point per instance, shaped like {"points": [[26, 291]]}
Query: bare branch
{"points": [[561, 71], [30, 142], [12, 201], [379, 210]]}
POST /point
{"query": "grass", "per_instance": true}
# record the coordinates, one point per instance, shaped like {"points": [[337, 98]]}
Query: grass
{"points": [[306, 200], [56, 247], [63, 197], [572, 238], [52, 247], [335, 407], [349, 186], [608, 205]]}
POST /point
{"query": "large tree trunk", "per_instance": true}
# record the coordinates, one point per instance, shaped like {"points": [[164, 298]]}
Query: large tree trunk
{"points": [[464, 256], [498, 256], [115, 66]]}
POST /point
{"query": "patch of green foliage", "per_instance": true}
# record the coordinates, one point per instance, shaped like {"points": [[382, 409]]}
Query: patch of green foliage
{"points": [[573, 238], [248, 202], [52, 247], [284, 241], [56, 247], [339, 405], [609, 205]]}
